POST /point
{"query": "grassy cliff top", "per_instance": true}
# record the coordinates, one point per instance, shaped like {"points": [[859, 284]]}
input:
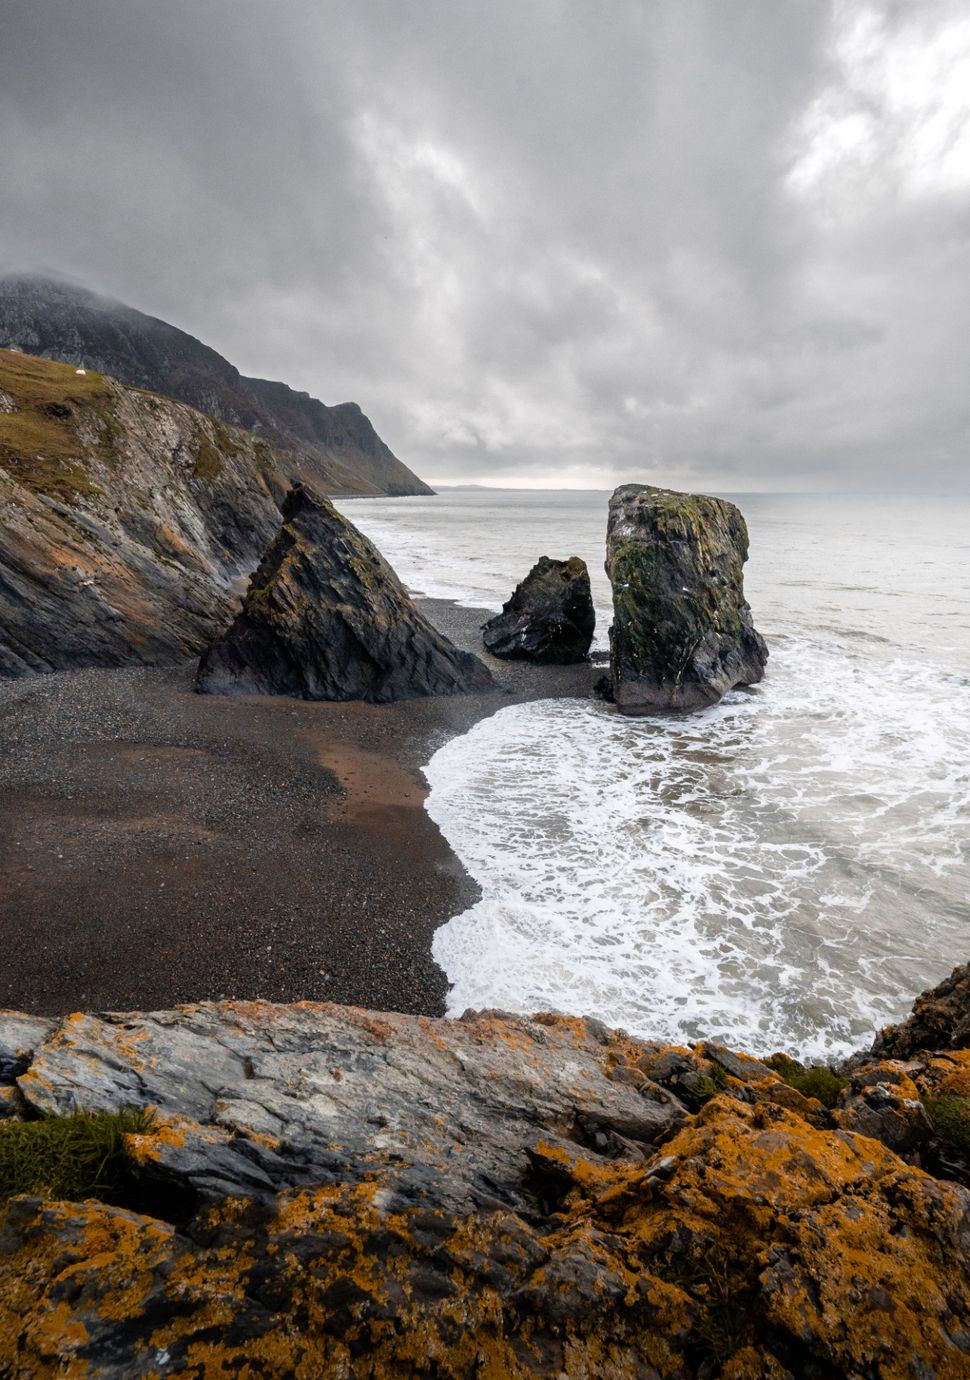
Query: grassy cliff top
{"points": [[39, 443]]}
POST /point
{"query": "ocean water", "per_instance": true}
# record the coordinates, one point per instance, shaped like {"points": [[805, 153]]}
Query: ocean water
{"points": [[785, 870]]}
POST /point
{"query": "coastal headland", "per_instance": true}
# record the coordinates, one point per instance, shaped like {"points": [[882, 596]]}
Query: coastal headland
{"points": [[164, 846]]}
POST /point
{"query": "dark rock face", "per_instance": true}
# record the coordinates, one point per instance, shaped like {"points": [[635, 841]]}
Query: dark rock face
{"points": [[549, 619], [125, 520], [682, 633], [326, 618], [335, 448], [940, 1020], [327, 1191]]}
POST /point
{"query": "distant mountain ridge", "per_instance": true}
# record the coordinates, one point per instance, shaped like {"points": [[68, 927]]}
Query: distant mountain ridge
{"points": [[335, 448]]}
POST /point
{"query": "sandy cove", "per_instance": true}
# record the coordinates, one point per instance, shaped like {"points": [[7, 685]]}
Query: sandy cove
{"points": [[161, 846]]}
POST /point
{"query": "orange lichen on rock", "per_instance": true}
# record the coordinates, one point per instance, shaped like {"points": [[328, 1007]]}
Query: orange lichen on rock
{"points": [[752, 1238], [490, 1197]]}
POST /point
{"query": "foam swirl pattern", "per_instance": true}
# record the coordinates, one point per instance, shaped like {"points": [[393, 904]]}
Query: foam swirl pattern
{"points": [[736, 873]]}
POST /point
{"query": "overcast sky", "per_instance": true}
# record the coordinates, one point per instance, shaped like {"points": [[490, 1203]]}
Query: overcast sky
{"points": [[718, 243]]}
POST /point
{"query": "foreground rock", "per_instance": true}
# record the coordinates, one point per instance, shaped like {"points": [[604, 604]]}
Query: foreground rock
{"points": [[682, 633], [326, 618], [328, 1191], [125, 520], [549, 619]]}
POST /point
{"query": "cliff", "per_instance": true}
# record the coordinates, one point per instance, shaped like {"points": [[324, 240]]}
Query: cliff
{"points": [[324, 1191], [335, 448], [125, 520]]}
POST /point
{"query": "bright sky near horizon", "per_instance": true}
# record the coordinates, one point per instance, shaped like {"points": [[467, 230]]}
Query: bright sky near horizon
{"points": [[710, 243]]}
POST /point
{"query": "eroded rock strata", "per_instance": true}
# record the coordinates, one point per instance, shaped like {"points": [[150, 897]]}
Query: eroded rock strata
{"points": [[682, 632], [125, 520], [326, 618], [550, 617], [328, 1191]]}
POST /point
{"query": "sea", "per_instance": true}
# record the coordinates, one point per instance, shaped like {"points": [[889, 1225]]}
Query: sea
{"points": [[783, 871]]}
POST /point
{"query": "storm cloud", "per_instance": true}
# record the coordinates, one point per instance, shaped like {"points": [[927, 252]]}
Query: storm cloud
{"points": [[718, 243]]}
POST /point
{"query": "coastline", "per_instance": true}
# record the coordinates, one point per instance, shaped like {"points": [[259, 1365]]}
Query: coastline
{"points": [[165, 847]]}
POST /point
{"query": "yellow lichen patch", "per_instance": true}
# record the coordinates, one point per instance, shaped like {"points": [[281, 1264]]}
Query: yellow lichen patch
{"points": [[750, 1237], [165, 1133], [951, 1076]]}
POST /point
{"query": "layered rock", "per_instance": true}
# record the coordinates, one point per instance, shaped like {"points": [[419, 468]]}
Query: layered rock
{"points": [[682, 632], [125, 520], [550, 617], [327, 1191], [326, 618], [334, 448]]}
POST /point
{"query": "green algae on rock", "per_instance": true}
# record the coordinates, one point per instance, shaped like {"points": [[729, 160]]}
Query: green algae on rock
{"points": [[682, 633], [326, 618]]}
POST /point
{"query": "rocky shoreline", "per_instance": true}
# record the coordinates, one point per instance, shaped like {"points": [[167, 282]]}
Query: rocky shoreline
{"points": [[316, 1190], [163, 846]]}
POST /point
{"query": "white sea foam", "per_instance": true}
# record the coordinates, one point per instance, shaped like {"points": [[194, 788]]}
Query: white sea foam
{"points": [[781, 871], [787, 869]]}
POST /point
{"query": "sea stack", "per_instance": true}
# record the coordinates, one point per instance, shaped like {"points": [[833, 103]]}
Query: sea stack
{"points": [[549, 619], [326, 618], [682, 633]]}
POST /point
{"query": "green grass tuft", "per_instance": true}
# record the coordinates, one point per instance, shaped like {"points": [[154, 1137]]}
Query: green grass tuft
{"points": [[81, 1155], [725, 1294], [208, 462], [818, 1081], [950, 1118]]}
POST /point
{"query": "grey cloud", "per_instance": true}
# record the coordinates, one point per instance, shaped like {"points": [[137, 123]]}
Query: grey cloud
{"points": [[554, 242]]}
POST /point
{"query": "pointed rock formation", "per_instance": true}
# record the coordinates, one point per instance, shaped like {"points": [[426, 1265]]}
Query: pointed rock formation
{"points": [[682, 633], [549, 618], [326, 618]]}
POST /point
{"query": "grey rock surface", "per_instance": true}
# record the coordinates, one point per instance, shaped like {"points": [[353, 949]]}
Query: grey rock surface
{"points": [[326, 1191], [126, 521], [263, 1097]]}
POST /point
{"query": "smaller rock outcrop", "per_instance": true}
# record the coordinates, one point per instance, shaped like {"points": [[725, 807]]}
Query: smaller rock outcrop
{"points": [[549, 619], [940, 1020], [326, 618], [682, 633]]}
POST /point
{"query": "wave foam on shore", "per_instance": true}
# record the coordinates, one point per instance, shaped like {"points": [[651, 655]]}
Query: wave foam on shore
{"points": [[780, 871]]}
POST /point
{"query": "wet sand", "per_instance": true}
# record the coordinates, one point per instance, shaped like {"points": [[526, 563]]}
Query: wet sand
{"points": [[160, 846]]}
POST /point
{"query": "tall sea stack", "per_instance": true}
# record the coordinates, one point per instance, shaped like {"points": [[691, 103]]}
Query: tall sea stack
{"points": [[682, 633]]}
